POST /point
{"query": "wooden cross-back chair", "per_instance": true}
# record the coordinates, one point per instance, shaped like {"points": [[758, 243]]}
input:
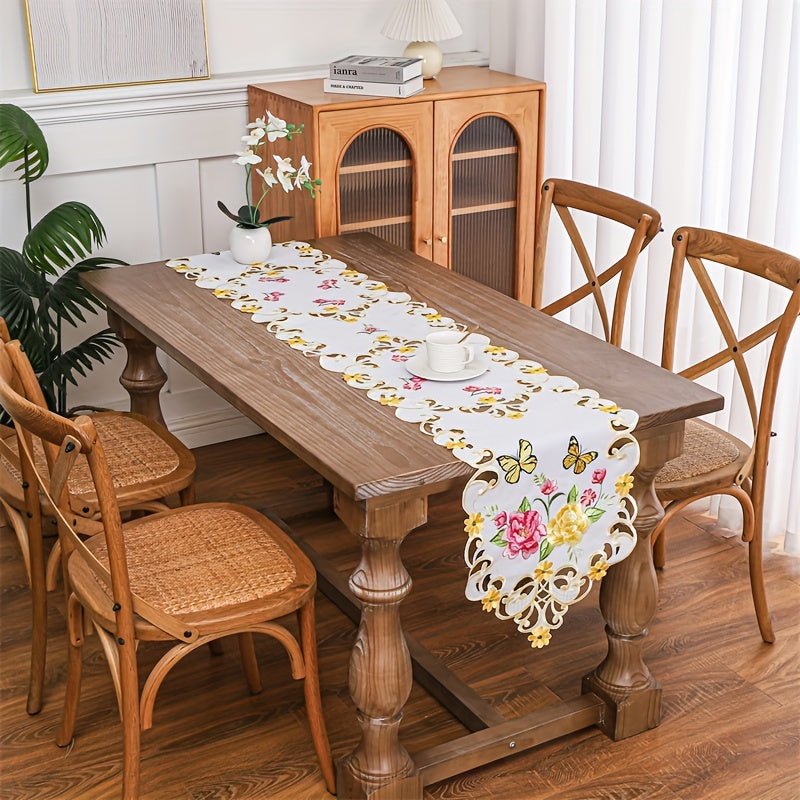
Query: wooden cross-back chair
{"points": [[567, 196], [187, 576], [713, 461], [148, 465]]}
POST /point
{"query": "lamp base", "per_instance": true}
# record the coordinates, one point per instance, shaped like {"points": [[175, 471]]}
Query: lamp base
{"points": [[431, 55]]}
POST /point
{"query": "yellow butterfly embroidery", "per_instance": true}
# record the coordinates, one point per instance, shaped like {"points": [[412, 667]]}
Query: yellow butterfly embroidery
{"points": [[526, 461], [575, 459]]}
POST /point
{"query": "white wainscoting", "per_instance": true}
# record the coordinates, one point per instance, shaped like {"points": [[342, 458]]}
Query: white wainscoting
{"points": [[153, 160]]}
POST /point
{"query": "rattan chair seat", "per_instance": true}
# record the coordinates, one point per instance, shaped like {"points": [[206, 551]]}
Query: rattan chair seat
{"points": [[142, 462], [202, 564], [711, 456]]}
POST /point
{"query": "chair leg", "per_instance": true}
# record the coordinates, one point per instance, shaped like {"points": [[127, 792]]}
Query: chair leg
{"points": [[758, 590], [38, 616], [187, 495], [319, 734], [660, 550], [72, 690], [131, 726], [249, 662]]}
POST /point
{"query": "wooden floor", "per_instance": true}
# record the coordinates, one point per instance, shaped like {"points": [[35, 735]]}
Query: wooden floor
{"points": [[731, 722]]}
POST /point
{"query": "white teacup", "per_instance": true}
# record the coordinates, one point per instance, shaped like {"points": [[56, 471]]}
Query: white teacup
{"points": [[446, 353]]}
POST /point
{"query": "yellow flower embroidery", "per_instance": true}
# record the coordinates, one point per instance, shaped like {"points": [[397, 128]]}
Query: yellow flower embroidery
{"points": [[455, 445], [568, 526], [433, 317], [487, 400], [378, 287], [490, 600], [543, 570], [383, 338], [474, 524], [222, 292], [273, 272], [612, 409], [598, 569], [390, 401], [348, 273], [539, 637], [297, 341], [514, 415], [405, 349], [624, 485], [348, 319], [250, 308], [495, 349]]}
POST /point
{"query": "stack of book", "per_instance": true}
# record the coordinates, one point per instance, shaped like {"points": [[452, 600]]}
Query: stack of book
{"points": [[383, 76]]}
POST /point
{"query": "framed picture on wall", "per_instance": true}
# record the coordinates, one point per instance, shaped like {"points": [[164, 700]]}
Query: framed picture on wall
{"points": [[81, 44]]}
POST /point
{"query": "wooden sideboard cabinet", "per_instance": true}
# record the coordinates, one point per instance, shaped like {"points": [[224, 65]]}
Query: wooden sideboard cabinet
{"points": [[451, 173]]}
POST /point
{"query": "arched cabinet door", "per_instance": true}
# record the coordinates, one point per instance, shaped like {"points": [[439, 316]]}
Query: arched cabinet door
{"points": [[451, 173], [485, 157], [378, 172]]}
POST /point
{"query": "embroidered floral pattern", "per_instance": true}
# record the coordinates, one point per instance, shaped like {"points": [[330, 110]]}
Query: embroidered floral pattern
{"points": [[541, 523]]}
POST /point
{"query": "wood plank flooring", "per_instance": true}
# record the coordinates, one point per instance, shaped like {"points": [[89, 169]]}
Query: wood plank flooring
{"points": [[730, 730]]}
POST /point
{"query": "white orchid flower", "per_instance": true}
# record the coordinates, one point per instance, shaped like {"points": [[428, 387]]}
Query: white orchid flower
{"points": [[285, 172], [247, 157], [260, 123], [275, 127], [302, 173], [268, 177], [250, 141]]}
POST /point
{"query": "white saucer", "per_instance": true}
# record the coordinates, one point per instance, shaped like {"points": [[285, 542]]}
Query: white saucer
{"points": [[418, 365]]}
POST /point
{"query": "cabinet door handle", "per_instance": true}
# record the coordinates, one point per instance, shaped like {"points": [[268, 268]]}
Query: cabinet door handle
{"points": [[428, 242], [443, 239]]}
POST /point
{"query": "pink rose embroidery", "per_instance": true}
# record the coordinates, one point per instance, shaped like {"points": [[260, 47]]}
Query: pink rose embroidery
{"points": [[588, 496], [598, 476], [524, 530]]}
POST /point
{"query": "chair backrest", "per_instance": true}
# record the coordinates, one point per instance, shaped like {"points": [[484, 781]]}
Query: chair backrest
{"points": [[63, 441], [567, 196], [695, 246]]}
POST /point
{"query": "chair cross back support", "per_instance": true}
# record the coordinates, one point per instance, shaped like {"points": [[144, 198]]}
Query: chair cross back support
{"points": [[566, 196], [742, 475]]}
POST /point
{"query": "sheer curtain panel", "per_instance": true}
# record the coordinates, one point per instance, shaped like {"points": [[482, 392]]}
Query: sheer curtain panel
{"points": [[692, 106]]}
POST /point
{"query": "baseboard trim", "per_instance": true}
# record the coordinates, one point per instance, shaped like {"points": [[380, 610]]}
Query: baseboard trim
{"points": [[196, 430]]}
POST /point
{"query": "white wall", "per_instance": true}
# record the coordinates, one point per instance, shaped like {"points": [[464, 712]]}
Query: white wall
{"points": [[153, 160]]}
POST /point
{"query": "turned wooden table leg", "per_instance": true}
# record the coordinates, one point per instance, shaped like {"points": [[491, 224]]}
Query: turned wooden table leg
{"points": [[628, 598], [380, 665], [142, 377]]}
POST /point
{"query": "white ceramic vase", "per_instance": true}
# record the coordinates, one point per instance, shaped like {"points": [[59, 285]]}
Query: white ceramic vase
{"points": [[250, 245]]}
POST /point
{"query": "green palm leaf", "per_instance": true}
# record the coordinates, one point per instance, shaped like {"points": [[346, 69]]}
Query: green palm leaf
{"points": [[67, 296], [21, 138], [78, 360], [17, 290], [66, 233]]}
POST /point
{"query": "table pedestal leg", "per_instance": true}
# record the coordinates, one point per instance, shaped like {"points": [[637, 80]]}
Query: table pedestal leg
{"points": [[142, 377], [380, 665], [628, 598]]}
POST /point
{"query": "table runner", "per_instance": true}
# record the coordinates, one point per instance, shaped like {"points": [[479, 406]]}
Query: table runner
{"points": [[548, 509]]}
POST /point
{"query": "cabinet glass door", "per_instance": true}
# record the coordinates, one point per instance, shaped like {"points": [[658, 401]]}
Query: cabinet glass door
{"points": [[376, 187], [484, 212]]}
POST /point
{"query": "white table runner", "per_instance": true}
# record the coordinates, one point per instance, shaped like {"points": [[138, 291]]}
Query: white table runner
{"points": [[548, 508]]}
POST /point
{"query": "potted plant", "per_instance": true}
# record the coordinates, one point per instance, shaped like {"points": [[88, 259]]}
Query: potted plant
{"points": [[250, 240], [40, 288]]}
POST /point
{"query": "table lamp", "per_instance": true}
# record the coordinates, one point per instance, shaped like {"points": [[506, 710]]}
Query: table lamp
{"points": [[423, 23]]}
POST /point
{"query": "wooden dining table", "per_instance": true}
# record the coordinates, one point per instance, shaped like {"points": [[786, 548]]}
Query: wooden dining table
{"points": [[383, 470]]}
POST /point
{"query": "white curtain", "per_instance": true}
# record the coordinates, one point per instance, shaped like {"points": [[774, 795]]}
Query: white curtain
{"points": [[692, 106]]}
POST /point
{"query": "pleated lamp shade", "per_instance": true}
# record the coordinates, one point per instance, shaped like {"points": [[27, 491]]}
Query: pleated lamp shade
{"points": [[423, 23]]}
